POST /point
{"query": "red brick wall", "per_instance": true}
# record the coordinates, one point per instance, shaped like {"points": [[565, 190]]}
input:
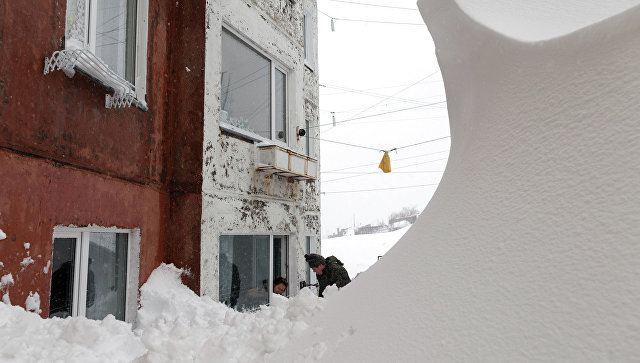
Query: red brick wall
{"points": [[65, 159]]}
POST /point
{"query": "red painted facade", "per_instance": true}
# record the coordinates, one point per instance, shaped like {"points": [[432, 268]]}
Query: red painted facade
{"points": [[67, 160]]}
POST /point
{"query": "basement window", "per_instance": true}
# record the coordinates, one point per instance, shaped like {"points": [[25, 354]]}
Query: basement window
{"points": [[94, 273], [106, 40], [253, 92]]}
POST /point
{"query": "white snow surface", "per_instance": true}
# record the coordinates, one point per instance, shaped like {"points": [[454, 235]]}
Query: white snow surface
{"points": [[529, 249], [541, 19], [359, 252], [174, 325], [32, 303], [2, 235]]}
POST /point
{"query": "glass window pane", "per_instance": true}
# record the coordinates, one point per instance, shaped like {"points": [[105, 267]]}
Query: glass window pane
{"points": [[280, 258], [62, 276], [307, 136], [244, 271], [304, 37], [308, 250], [115, 35], [107, 275], [281, 106], [246, 87]]}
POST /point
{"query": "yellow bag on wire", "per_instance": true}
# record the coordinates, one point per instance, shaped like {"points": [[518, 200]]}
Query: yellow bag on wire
{"points": [[385, 163]]}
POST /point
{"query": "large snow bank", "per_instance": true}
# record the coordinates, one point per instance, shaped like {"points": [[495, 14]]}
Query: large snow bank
{"points": [[174, 325], [529, 249], [541, 19]]}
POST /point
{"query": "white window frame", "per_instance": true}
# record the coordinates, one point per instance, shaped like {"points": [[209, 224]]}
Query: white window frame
{"points": [[312, 249], [275, 65], [308, 44], [82, 235], [271, 277], [86, 42]]}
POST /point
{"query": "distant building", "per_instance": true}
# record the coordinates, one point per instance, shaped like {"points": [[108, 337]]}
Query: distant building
{"points": [[341, 232], [370, 229]]}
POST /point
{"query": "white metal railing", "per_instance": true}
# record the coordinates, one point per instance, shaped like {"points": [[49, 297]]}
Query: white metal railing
{"points": [[124, 93]]}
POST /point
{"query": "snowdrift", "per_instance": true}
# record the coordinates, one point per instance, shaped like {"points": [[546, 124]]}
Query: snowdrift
{"points": [[530, 248], [173, 325]]}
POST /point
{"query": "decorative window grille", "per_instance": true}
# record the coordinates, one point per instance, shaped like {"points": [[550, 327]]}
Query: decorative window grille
{"points": [[66, 60], [106, 41]]}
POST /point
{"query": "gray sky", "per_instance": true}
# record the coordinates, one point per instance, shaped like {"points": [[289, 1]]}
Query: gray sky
{"points": [[373, 68]]}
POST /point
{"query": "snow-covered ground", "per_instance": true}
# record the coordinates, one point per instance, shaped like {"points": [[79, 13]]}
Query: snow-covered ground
{"points": [[361, 251], [174, 325]]}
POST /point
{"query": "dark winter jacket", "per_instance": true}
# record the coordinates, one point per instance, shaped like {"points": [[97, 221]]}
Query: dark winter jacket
{"points": [[333, 274]]}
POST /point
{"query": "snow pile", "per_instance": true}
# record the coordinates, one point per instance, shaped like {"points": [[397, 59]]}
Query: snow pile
{"points": [[174, 325], [178, 325], [2, 235], [529, 249], [26, 337], [359, 252]]}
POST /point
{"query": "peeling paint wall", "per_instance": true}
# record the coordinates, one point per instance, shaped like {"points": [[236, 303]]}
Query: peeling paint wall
{"points": [[236, 199]]}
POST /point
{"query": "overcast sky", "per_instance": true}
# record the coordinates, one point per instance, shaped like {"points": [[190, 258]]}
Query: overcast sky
{"points": [[367, 69]]}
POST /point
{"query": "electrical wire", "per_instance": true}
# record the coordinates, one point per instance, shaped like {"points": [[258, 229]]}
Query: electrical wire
{"points": [[407, 158], [402, 90], [378, 172], [353, 90], [383, 150], [395, 172], [368, 21], [376, 5], [379, 114], [379, 189], [419, 143]]}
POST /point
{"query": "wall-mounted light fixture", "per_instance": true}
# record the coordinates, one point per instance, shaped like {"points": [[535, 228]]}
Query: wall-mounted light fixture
{"points": [[300, 132]]}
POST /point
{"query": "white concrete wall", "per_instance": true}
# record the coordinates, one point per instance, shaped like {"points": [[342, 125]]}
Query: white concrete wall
{"points": [[236, 198]]}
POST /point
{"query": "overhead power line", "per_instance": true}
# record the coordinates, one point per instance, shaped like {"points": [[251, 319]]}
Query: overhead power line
{"points": [[367, 21], [369, 164], [374, 149], [388, 97], [378, 172], [379, 189], [395, 172], [354, 90], [379, 114], [376, 5]]}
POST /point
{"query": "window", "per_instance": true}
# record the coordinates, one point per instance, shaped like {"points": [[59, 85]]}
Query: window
{"points": [[308, 251], [248, 266], [307, 138], [115, 35], [91, 274], [307, 30], [254, 90], [310, 247], [107, 40]]}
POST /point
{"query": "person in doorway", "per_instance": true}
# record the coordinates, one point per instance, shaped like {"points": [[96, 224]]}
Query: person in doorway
{"points": [[329, 271]]}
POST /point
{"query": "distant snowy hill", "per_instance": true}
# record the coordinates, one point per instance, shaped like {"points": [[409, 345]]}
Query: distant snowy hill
{"points": [[361, 251]]}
